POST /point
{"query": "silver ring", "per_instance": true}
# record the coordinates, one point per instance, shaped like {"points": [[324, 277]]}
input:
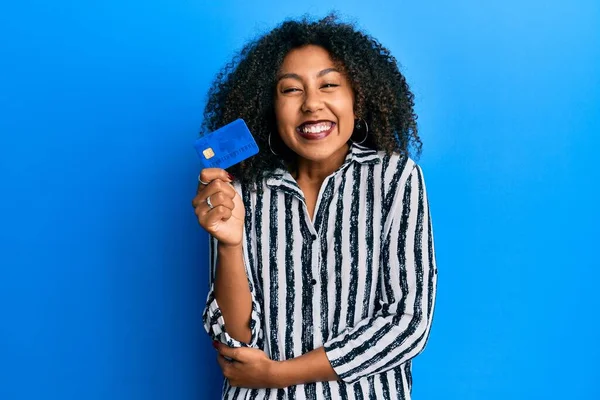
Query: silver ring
{"points": [[210, 205], [202, 182]]}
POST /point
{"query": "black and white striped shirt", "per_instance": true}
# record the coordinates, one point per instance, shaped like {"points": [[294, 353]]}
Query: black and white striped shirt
{"points": [[358, 279]]}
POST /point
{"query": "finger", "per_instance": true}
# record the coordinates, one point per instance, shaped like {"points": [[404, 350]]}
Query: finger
{"points": [[223, 363], [197, 200], [230, 352], [221, 199], [217, 196], [215, 187], [219, 185], [200, 181], [208, 175], [216, 215], [211, 219]]}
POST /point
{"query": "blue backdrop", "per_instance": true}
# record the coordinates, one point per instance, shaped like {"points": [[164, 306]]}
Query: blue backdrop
{"points": [[103, 266]]}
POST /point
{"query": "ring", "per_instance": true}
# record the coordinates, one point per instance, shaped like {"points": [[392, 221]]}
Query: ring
{"points": [[202, 182], [210, 205]]}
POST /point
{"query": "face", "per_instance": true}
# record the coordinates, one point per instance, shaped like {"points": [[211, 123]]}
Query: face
{"points": [[314, 105]]}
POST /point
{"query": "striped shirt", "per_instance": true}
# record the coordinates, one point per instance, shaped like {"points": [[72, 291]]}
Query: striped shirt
{"points": [[358, 279]]}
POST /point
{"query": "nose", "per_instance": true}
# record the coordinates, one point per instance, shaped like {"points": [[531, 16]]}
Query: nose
{"points": [[312, 101]]}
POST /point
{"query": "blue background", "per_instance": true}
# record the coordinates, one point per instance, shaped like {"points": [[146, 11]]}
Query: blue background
{"points": [[103, 266]]}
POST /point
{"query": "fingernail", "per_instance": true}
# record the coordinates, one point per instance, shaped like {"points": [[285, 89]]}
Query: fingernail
{"points": [[216, 344], [231, 177]]}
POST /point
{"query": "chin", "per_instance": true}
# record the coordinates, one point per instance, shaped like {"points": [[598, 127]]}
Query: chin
{"points": [[319, 154]]}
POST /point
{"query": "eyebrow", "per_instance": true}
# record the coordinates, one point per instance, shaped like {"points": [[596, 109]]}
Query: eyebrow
{"points": [[291, 75]]}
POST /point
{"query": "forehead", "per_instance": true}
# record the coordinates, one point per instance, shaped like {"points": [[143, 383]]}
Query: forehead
{"points": [[307, 58]]}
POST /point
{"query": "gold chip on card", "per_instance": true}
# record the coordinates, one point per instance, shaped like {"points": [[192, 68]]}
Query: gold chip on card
{"points": [[208, 153]]}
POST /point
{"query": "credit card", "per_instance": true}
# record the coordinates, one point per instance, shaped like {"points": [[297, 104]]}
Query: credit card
{"points": [[226, 146]]}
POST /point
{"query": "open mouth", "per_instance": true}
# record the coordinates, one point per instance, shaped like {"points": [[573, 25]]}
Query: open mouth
{"points": [[315, 130]]}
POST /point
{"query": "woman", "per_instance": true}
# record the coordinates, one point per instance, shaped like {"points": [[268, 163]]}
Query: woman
{"points": [[323, 269]]}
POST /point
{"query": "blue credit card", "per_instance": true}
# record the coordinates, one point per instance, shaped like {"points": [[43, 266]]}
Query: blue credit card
{"points": [[226, 146]]}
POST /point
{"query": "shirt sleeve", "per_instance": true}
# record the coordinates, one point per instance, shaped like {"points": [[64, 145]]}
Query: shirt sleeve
{"points": [[407, 285], [214, 323]]}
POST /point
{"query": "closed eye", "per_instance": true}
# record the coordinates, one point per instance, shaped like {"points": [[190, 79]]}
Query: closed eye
{"points": [[329, 85], [290, 90]]}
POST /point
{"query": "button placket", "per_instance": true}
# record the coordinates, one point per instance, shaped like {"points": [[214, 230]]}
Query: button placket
{"points": [[316, 259]]}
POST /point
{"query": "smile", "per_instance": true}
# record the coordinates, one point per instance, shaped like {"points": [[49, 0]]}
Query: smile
{"points": [[315, 130]]}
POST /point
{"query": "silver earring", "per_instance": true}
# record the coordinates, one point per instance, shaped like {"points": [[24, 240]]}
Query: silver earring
{"points": [[271, 148], [360, 125]]}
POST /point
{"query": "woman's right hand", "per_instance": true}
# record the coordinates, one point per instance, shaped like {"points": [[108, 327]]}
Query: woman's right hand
{"points": [[225, 221]]}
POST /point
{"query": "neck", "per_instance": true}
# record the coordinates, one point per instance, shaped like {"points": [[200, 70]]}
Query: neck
{"points": [[316, 171]]}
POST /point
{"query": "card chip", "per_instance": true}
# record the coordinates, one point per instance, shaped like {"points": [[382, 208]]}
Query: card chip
{"points": [[208, 153]]}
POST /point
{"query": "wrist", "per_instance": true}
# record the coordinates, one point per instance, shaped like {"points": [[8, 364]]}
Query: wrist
{"points": [[280, 374], [229, 248]]}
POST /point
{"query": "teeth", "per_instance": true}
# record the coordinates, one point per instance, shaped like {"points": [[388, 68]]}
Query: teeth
{"points": [[316, 128]]}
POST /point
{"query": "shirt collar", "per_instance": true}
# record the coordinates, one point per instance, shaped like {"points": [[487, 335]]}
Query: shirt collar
{"points": [[281, 179], [362, 155]]}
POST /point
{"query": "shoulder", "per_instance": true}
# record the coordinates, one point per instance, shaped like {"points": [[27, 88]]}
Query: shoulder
{"points": [[397, 161], [395, 169]]}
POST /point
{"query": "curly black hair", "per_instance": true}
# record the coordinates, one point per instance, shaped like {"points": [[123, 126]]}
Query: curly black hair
{"points": [[245, 88]]}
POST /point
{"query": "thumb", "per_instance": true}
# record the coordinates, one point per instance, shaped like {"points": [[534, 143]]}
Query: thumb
{"points": [[228, 352]]}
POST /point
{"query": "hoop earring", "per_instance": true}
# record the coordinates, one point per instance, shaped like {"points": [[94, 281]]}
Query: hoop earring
{"points": [[271, 148], [359, 126]]}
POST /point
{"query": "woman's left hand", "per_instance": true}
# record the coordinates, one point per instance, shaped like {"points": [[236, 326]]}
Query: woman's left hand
{"points": [[248, 368]]}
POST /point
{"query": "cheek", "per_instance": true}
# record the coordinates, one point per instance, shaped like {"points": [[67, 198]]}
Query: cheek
{"points": [[285, 118], [284, 111], [344, 111], [344, 107]]}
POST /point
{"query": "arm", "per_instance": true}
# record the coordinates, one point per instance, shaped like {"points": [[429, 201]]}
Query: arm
{"points": [[313, 366], [232, 314], [252, 368], [399, 331], [231, 299], [232, 291]]}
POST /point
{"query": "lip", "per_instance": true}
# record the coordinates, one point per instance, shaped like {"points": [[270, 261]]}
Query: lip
{"points": [[315, 136]]}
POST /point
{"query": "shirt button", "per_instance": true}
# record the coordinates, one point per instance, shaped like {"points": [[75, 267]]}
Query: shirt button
{"points": [[313, 282], [314, 237]]}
